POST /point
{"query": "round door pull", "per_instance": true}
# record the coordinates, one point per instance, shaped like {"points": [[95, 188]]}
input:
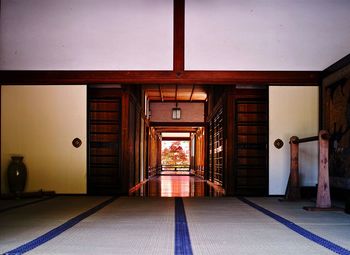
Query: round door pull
{"points": [[278, 143], [76, 142]]}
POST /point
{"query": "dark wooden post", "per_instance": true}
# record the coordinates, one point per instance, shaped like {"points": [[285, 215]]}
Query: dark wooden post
{"points": [[323, 192], [293, 189]]}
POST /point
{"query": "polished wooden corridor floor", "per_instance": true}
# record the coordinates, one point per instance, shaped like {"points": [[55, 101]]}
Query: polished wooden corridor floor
{"points": [[178, 186]]}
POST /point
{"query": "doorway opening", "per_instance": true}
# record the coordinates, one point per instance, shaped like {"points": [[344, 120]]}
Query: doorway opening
{"points": [[175, 157], [220, 138]]}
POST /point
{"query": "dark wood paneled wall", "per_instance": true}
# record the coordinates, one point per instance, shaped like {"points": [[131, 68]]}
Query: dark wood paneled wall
{"points": [[114, 119], [104, 141], [216, 145], [250, 145], [131, 143], [247, 136], [138, 146], [335, 118], [235, 122], [134, 141]]}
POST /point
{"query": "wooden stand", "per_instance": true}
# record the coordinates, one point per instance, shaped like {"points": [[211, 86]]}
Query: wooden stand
{"points": [[293, 188], [323, 202], [323, 193]]}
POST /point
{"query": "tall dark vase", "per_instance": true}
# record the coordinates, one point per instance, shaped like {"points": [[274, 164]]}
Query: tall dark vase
{"points": [[16, 175]]}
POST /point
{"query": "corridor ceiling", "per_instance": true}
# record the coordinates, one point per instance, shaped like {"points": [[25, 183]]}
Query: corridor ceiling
{"points": [[164, 93]]}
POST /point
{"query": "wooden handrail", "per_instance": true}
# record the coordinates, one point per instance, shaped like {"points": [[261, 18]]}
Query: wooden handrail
{"points": [[175, 167], [295, 139]]}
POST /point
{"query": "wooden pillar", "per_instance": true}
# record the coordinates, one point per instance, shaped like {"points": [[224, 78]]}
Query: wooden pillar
{"points": [[293, 189], [323, 192], [125, 152]]}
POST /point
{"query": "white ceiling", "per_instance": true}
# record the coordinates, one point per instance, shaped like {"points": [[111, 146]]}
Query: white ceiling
{"points": [[138, 34], [266, 34]]}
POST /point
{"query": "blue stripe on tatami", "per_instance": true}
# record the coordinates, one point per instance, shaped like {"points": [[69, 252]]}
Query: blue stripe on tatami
{"points": [[301, 231], [182, 236], [59, 230]]}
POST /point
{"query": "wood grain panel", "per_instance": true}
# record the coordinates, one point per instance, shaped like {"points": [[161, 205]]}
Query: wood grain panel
{"points": [[104, 141], [251, 173]]}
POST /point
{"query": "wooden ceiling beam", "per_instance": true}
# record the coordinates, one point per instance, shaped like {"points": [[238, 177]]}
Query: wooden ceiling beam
{"points": [[173, 101], [179, 36], [176, 94], [160, 77], [177, 124]]}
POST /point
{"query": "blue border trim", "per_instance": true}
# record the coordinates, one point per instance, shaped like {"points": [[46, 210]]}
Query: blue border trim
{"points": [[58, 230], [182, 236], [24, 204], [301, 231]]}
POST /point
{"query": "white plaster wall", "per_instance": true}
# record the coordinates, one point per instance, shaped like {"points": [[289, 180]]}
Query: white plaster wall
{"points": [[266, 35], [293, 111], [86, 34], [40, 122], [190, 112]]}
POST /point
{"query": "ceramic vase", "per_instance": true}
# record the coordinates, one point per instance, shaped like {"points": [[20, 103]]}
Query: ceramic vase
{"points": [[16, 175]]}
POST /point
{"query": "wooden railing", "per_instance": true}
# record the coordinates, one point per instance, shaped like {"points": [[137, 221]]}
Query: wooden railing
{"points": [[293, 188], [175, 167]]}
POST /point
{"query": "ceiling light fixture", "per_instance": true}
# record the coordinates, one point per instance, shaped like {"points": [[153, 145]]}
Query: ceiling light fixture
{"points": [[176, 113]]}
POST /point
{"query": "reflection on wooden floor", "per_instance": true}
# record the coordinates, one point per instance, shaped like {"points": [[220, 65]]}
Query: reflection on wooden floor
{"points": [[177, 186]]}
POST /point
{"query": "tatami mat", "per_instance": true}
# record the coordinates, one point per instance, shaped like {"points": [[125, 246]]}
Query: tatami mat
{"points": [[24, 224], [126, 226], [138, 225], [228, 226], [9, 204], [331, 225]]}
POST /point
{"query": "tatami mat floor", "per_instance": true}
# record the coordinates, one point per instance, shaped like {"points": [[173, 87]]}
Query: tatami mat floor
{"points": [[126, 226], [332, 225], [138, 225], [21, 225], [228, 226], [9, 204]]}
